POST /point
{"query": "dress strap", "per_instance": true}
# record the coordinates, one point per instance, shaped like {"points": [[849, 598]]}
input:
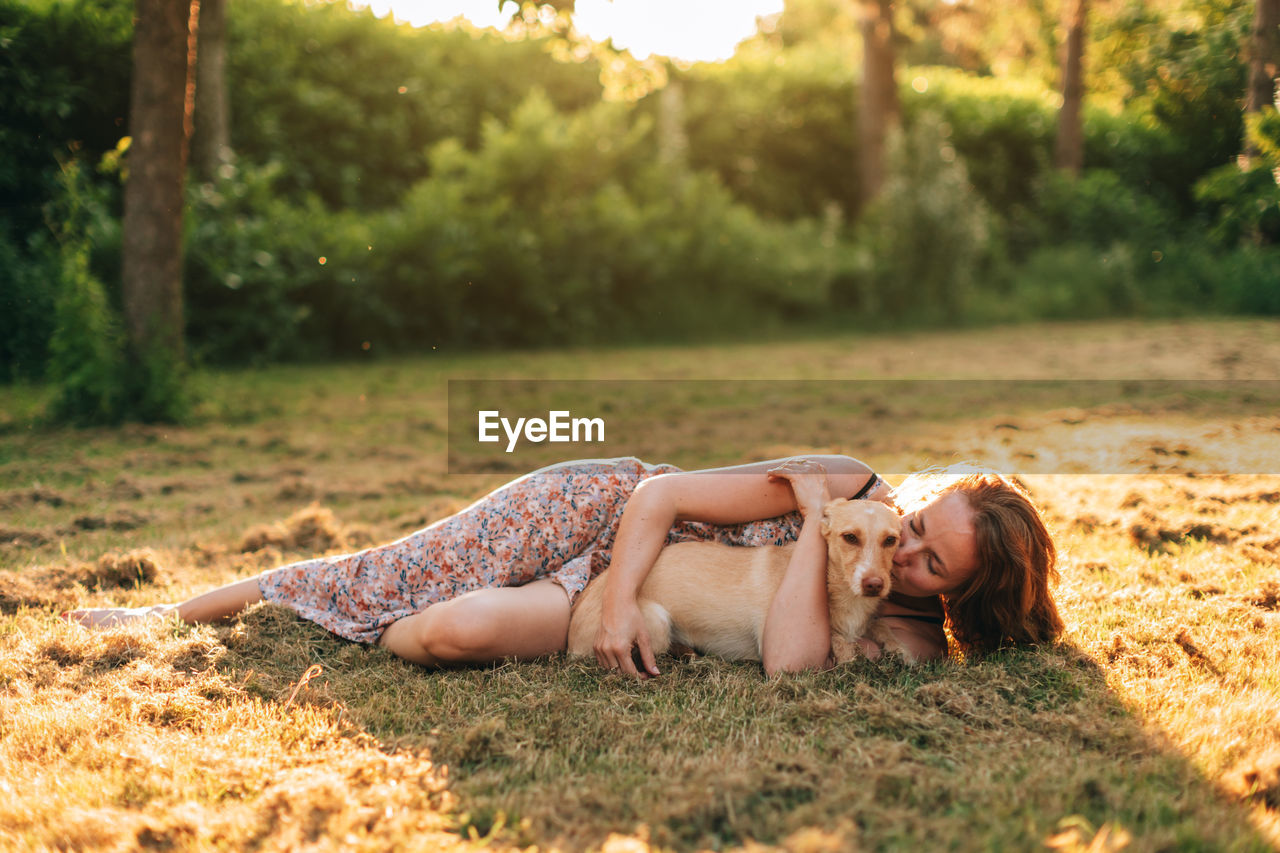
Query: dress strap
{"points": [[866, 487]]}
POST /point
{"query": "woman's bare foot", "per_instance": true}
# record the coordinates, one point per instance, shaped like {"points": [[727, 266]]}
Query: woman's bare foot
{"points": [[109, 617]]}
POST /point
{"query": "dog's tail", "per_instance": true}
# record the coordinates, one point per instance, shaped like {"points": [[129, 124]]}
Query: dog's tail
{"points": [[657, 621]]}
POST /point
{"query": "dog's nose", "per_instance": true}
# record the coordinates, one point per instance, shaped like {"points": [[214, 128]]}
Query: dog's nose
{"points": [[872, 586]]}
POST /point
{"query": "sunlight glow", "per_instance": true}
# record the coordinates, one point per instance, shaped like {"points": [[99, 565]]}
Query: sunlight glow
{"points": [[692, 30]]}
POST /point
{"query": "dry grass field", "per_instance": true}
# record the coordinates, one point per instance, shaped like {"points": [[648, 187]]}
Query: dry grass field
{"points": [[1155, 724]]}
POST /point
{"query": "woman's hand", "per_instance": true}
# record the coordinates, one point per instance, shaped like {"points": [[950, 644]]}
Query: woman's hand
{"points": [[808, 481], [619, 633]]}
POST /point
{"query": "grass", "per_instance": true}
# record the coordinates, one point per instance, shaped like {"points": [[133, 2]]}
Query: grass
{"points": [[1153, 726]]}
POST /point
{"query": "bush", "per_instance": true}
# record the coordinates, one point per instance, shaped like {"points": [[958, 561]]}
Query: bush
{"points": [[556, 229], [561, 229], [86, 349], [1002, 128], [267, 279], [1242, 206], [777, 129], [356, 140], [26, 306], [64, 89], [927, 236], [1095, 209], [99, 378], [1248, 281]]}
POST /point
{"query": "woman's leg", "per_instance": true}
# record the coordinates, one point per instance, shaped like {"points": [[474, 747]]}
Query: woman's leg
{"points": [[220, 603], [485, 625]]}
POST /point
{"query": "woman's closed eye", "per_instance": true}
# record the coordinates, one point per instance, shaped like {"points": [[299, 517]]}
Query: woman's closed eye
{"points": [[929, 561]]}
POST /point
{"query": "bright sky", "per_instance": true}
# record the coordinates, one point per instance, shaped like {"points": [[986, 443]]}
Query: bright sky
{"points": [[694, 30]]}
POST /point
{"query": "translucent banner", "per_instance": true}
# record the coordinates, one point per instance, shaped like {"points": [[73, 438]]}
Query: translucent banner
{"points": [[1199, 427]]}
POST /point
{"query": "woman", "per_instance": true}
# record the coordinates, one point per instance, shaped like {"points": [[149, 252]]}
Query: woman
{"points": [[497, 579]]}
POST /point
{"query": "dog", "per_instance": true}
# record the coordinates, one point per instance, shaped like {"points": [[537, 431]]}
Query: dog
{"points": [[713, 598]]}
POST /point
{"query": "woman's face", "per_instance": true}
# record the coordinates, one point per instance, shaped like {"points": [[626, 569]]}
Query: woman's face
{"points": [[938, 550]]}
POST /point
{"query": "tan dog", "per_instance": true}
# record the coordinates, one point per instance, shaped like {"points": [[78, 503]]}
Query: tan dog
{"points": [[714, 597]]}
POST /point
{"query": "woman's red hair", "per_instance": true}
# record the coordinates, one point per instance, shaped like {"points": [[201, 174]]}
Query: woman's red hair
{"points": [[1008, 600]]}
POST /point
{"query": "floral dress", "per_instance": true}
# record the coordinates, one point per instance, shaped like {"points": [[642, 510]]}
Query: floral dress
{"points": [[558, 522]]}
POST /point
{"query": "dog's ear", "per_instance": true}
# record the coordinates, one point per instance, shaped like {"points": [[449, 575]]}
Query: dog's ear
{"points": [[826, 514]]}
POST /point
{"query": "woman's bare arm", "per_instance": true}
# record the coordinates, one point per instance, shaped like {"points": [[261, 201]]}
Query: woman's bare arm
{"points": [[797, 626], [719, 496]]}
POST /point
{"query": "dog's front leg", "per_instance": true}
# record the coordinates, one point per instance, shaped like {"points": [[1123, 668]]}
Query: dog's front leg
{"points": [[844, 650], [884, 636]]}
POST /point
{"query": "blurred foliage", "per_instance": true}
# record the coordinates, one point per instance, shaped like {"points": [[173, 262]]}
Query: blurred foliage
{"points": [[26, 305], [261, 271], [396, 189], [928, 233], [97, 378], [555, 229], [776, 128], [86, 348], [64, 88], [1244, 203], [350, 104]]}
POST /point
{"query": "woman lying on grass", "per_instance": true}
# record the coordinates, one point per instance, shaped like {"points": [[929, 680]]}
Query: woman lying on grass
{"points": [[497, 579]]}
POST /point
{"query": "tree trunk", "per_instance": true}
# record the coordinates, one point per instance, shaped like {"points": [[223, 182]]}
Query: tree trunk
{"points": [[1068, 151], [161, 97], [211, 144], [1264, 66], [878, 110]]}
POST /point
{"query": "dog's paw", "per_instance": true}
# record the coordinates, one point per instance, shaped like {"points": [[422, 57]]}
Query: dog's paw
{"points": [[889, 642], [862, 648]]}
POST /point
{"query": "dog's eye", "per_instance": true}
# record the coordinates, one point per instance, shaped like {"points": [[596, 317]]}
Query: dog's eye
{"points": [[890, 541], [851, 538]]}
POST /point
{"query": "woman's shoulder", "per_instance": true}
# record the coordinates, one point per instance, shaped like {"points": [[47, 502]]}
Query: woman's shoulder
{"points": [[917, 623]]}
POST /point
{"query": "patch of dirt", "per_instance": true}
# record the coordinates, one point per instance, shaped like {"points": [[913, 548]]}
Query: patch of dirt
{"points": [[1267, 597], [1158, 534], [1132, 500], [19, 538], [121, 570], [125, 490], [417, 484], [297, 489], [314, 529], [1257, 778], [1089, 523], [1261, 555], [19, 590], [55, 586], [1195, 653], [122, 519], [38, 495]]}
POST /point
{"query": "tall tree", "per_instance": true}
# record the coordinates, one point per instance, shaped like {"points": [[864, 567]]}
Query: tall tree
{"points": [[161, 98], [1068, 149], [211, 144], [1264, 67], [879, 110]]}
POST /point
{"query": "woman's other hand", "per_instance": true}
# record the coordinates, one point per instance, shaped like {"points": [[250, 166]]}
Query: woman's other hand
{"points": [[619, 633], [808, 482]]}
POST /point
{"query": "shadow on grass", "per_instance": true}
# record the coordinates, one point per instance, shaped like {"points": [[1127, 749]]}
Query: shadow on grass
{"points": [[1000, 754]]}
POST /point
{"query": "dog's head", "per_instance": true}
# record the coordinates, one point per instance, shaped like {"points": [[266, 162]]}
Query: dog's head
{"points": [[861, 538]]}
